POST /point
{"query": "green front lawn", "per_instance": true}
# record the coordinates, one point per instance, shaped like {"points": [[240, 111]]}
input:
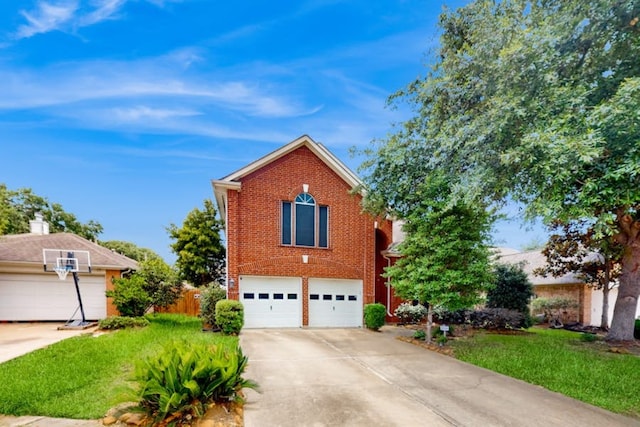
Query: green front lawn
{"points": [[83, 377], [558, 360]]}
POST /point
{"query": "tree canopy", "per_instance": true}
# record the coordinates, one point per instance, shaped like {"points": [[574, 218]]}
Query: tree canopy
{"points": [[130, 250], [18, 207], [201, 255], [572, 248], [538, 102]]}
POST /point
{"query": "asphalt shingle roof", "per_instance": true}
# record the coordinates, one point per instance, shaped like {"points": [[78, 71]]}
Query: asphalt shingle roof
{"points": [[27, 248]]}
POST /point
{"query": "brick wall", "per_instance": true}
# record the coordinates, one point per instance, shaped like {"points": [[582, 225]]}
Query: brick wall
{"points": [[577, 292], [254, 226]]}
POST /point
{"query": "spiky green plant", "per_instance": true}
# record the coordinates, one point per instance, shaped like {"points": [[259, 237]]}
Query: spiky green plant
{"points": [[186, 376]]}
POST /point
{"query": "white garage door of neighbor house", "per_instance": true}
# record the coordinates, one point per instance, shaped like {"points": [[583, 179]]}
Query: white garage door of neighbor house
{"points": [[271, 302], [335, 303], [45, 297]]}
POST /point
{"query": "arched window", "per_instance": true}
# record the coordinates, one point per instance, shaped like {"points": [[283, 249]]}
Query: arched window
{"points": [[305, 222]]}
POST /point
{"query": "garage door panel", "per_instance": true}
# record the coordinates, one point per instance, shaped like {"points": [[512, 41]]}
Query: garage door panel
{"points": [[25, 297], [335, 303], [271, 302]]}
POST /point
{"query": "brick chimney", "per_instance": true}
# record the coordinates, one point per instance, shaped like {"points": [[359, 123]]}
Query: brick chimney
{"points": [[38, 225]]}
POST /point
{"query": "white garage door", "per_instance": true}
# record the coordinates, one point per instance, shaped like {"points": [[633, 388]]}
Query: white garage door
{"points": [[335, 303], [26, 297], [271, 302]]}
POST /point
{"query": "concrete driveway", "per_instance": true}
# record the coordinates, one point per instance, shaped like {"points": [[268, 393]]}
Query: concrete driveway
{"points": [[355, 377], [17, 339]]}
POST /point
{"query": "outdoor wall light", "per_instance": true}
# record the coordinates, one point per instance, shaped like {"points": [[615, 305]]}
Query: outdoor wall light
{"points": [[232, 283], [305, 259]]}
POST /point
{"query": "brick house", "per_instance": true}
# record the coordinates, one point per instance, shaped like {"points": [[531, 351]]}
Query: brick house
{"points": [[300, 251]]}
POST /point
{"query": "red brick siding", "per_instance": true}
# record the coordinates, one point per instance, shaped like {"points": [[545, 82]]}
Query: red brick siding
{"points": [[254, 226]]}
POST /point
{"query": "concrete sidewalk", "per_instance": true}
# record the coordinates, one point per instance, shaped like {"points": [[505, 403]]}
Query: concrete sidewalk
{"points": [[17, 339], [355, 377]]}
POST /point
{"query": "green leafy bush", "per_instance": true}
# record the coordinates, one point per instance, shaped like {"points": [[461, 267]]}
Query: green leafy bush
{"points": [[230, 316], [122, 322], [374, 315], [420, 334], [512, 289], [209, 297], [497, 318], [186, 376], [409, 313], [552, 308], [129, 296], [636, 330]]}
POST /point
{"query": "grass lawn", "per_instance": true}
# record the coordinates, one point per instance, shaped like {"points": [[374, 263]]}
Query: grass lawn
{"points": [[84, 376], [558, 360]]}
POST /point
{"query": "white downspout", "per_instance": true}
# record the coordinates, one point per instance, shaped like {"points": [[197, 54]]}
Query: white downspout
{"points": [[388, 287]]}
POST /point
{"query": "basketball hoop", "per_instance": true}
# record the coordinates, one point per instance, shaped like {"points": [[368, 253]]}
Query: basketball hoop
{"points": [[62, 272]]}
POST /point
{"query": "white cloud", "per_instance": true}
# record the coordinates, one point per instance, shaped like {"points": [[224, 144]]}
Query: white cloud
{"points": [[47, 17], [68, 15], [143, 113], [104, 9]]}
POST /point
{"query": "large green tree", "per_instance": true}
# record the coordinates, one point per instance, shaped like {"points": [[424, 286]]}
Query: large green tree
{"points": [[445, 260], [198, 245], [18, 207], [538, 102]]}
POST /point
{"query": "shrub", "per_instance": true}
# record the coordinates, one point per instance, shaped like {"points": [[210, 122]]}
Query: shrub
{"points": [[209, 297], [230, 316], [186, 376], [443, 315], [420, 334], [409, 313], [129, 296], [552, 308], [374, 315], [497, 318], [512, 289], [636, 330], [122, 322], [442, 339]]}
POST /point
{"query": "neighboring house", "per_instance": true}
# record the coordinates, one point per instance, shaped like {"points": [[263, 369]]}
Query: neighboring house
{"points": [[589, 311], [28, 293], [300, 251]]}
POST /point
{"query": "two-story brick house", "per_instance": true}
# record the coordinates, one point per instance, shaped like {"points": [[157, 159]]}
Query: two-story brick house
{"points": [[300, 251]]}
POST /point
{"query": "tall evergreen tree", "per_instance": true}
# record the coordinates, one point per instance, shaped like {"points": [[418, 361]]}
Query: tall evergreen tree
{"points": [[201, 255]]}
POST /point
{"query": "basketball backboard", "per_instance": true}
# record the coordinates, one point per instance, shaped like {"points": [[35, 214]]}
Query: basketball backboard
{"points": [[71, 260]]}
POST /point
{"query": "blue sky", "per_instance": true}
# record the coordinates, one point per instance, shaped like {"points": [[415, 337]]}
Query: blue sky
{"points": [[123, 111]]}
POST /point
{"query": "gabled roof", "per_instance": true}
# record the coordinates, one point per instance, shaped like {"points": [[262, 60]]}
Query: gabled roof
{"points": [[233, 180], [27, 249], [535, 259]]}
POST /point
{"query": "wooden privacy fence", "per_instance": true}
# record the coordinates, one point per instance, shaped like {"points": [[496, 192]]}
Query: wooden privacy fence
{"points": [[189, 303]]}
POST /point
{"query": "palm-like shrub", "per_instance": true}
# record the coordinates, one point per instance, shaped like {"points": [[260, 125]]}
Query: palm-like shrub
{"points": [[186, 376]]}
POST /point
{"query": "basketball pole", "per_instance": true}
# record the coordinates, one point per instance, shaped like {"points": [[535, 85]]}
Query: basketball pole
{"points": [[76, 280]]}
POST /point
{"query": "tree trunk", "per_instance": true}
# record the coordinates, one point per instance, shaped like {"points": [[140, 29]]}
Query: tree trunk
{"points": [[604, 320], [624, 311], [430, 323]]}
